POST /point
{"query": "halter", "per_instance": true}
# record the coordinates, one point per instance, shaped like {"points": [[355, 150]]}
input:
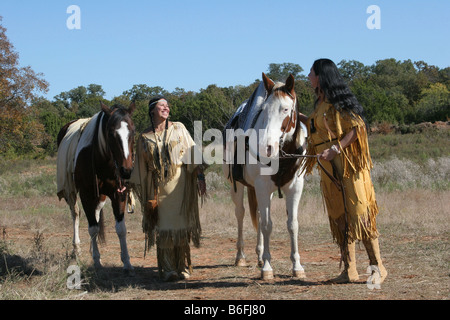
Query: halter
{"points": [[121, 185], [281, 140]]}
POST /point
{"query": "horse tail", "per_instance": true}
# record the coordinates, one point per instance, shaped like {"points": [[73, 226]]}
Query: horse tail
{"points": [[101, 229], [253, 205]]}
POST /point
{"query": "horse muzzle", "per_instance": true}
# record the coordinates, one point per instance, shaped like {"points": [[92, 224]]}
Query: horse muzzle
{"points": [[125, 173], [269, 150]]}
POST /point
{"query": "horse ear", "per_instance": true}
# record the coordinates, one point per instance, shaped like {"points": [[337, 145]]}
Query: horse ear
{"points": [[105, 108], [290, 83], [268, 84], [132, 107]]}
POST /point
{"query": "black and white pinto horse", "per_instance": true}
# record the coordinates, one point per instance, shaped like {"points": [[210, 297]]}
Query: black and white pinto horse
{"points": [[95, 156], [270, 126]]}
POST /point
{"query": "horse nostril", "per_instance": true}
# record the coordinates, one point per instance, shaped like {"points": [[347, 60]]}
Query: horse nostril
{"points": [[269, 151], [125, 173]]}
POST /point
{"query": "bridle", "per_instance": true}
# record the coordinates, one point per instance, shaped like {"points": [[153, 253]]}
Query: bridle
{"points": [[285, 155], [291, 116], [122, 188]]}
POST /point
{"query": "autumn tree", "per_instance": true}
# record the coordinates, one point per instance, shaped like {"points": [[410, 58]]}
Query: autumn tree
{"points": [[18, 85], [20, 132]]}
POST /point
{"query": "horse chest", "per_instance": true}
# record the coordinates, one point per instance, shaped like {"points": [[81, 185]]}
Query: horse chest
{"points": [[286, 171]]}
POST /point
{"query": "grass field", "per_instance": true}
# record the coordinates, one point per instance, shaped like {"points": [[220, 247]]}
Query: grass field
{"points": [[413, 193]]}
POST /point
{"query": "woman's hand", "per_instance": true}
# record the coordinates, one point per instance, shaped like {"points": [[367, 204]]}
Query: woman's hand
{"points": [[201, 182], [328, 154]]}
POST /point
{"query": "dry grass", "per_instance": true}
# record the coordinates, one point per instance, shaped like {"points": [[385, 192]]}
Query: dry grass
{"points": [[36, 235]]}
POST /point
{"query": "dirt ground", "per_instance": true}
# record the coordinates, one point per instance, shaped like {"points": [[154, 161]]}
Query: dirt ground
{"points": [[418, 266]]}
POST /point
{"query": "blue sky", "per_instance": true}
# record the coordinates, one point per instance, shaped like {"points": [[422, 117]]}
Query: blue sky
{"points": [[191, 44]]}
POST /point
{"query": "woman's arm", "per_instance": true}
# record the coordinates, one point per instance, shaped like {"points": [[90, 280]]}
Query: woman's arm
{"points": [[303, 118], [329, 154]]}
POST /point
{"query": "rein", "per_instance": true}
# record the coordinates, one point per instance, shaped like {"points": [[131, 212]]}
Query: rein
{"points": [[284, 155], [339, 185]]}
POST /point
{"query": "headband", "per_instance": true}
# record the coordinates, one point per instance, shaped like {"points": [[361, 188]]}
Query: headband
{"points": [[156, 102]]}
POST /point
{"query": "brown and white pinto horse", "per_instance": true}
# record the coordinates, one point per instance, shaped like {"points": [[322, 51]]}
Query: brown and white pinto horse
{"points": [[95, 156], [270, 125]]}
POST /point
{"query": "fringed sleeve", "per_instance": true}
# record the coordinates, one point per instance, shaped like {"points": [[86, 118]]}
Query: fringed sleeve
{"points": [[141, 182], [357, 154], [309, 163], [139, 175], [190, 199], [190, 207]]}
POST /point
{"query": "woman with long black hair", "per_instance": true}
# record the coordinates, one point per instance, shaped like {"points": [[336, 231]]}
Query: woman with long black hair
{"points": [[338, 133]]}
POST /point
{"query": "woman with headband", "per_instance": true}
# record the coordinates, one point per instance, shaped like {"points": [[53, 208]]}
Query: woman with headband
{"points": [[165, 181]]}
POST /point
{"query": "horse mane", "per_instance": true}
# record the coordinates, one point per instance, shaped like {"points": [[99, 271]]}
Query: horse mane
{"points": [[246, 114], [91, 134]]}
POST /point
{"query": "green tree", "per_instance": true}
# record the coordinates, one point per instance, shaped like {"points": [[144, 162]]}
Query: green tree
{"points": [[143, 92], [352, 70], [434, 104], [380, 104], [83, 101], [281, 71]]}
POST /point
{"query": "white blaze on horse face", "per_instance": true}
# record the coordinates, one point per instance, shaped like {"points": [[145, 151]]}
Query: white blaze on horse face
{"points": [[276, 110], [123, 133]]}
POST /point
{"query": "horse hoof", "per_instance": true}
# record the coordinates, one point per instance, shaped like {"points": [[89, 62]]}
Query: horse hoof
{"points": [[76, 252], [267, 275], [170, 276], [300, 274], [129, 272], [240, 263], [260, 263]]}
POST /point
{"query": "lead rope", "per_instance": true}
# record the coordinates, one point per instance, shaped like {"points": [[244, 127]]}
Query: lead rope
{"points": [[339, 185]]}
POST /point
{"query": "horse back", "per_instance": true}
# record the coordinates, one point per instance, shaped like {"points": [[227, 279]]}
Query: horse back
{"points": [[63, 132], [67, 141]]}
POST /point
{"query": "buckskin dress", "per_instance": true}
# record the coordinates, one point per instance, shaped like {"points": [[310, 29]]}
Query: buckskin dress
{"points": [[177, 222], [326, 127]]}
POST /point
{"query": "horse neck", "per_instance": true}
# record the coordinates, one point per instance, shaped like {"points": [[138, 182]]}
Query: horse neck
{"points": [[254, 107], [100, 149]]}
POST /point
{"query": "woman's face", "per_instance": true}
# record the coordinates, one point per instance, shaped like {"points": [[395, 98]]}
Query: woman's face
{"points": [[162, 109], [313, 78]]}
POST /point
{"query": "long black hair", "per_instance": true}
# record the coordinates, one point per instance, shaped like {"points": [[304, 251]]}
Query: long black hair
{"points": [[167, 161], [335, 89]]}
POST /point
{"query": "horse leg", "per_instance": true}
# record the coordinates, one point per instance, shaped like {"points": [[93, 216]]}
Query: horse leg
{"points": [[76, 229], [259, 246], [239, 210], [75, 211], [253, 205], [121, 231], [265, 226], [292, 202], [93, 211]]}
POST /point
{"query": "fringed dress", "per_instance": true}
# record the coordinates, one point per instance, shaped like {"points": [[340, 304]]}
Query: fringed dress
{"points": [[177, 223], [326, 127]]}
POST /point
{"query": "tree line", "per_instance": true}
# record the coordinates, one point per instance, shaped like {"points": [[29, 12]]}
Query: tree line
{"points": [[390, 90]]}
